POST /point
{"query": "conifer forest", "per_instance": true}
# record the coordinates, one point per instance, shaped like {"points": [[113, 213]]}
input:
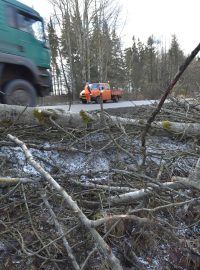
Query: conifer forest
{"points": [[86, 46]]}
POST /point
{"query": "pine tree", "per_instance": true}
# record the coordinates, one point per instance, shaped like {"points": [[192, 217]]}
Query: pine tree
{"points": [[116, 67], [134, 59], [53, 42], [175, 57]]}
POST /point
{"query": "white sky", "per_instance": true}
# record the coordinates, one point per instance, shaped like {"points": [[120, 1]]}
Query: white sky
{"points": [[142, 18]]}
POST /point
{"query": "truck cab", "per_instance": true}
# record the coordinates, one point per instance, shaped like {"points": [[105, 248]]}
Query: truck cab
{"points": [[24, 55], [101, 91]]}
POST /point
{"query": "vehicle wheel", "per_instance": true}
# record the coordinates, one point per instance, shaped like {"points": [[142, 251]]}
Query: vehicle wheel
{"points": [[98, 100], [19, 92], [115, 99], [84, 101]]}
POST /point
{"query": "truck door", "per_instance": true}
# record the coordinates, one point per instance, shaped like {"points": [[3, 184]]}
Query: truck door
{"points": [[106, 92], [8, 35], [32, 38]]}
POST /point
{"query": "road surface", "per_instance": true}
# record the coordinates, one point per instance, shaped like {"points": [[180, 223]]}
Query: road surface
{"points": [[92, 107]]}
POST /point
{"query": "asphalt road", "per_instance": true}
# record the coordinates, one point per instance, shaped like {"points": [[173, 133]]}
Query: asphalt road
{"points": [[108, 105]]}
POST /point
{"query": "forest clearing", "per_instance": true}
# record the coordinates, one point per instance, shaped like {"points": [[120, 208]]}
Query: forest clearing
{"points": [[90, 197], [104, 189]]}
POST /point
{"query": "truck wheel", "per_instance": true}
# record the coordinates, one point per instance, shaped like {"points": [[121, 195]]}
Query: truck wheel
{"points": [[84, 101], [115, 99], [98, 100], [20, 92]]}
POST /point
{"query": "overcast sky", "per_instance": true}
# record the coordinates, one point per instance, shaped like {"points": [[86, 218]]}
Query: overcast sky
{"points": [[143, 18]]}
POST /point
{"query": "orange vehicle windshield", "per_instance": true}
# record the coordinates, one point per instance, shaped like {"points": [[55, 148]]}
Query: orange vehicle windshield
{"points": [[99, 86], [94, 86]]}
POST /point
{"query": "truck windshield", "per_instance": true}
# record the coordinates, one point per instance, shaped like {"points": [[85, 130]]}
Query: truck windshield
{"points": [[32, 26], [94, 86]]}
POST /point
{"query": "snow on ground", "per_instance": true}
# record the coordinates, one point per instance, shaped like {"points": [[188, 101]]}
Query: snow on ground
{"points": [[103, 161]]}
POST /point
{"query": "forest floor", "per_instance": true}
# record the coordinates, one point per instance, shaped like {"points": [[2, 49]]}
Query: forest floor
{"points": [[96, 167]]}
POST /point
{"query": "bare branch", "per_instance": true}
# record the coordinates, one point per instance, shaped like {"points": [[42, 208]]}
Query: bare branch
{"points": [[103, 247], [60, 230]]}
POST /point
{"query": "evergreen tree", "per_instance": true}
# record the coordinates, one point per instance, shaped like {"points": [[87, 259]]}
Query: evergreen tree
{"points": [[54, 43], [94, 43], [163, 72], [150, 59], [116, 68], [175, 57], [134, 67], [134, 59]]}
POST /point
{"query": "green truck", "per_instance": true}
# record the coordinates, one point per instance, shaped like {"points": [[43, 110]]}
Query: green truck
{"points": [[24, 55]]}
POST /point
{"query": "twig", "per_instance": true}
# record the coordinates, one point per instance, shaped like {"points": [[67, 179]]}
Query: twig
{"points": [[99, 222], [31, 222], [30, 253], [102, 245], [12, 181], [60, 230], [158, 208], [10, 192], [15, 121], [104, 187], [168, 186]]}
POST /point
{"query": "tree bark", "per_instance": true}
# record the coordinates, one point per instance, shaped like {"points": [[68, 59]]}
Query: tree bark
{"points": [[194, 177], [11, 115]]}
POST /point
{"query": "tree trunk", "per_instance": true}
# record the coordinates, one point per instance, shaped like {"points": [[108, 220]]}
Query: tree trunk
{"points": [[18, 114]]}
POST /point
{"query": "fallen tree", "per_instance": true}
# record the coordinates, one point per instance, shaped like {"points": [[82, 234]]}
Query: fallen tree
{"points": [[17, 115], [111, 212]]}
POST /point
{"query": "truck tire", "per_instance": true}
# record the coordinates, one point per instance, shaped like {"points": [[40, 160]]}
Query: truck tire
{"points": [[115, 99], [84, 101], [19, 92], [98, 100]]}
